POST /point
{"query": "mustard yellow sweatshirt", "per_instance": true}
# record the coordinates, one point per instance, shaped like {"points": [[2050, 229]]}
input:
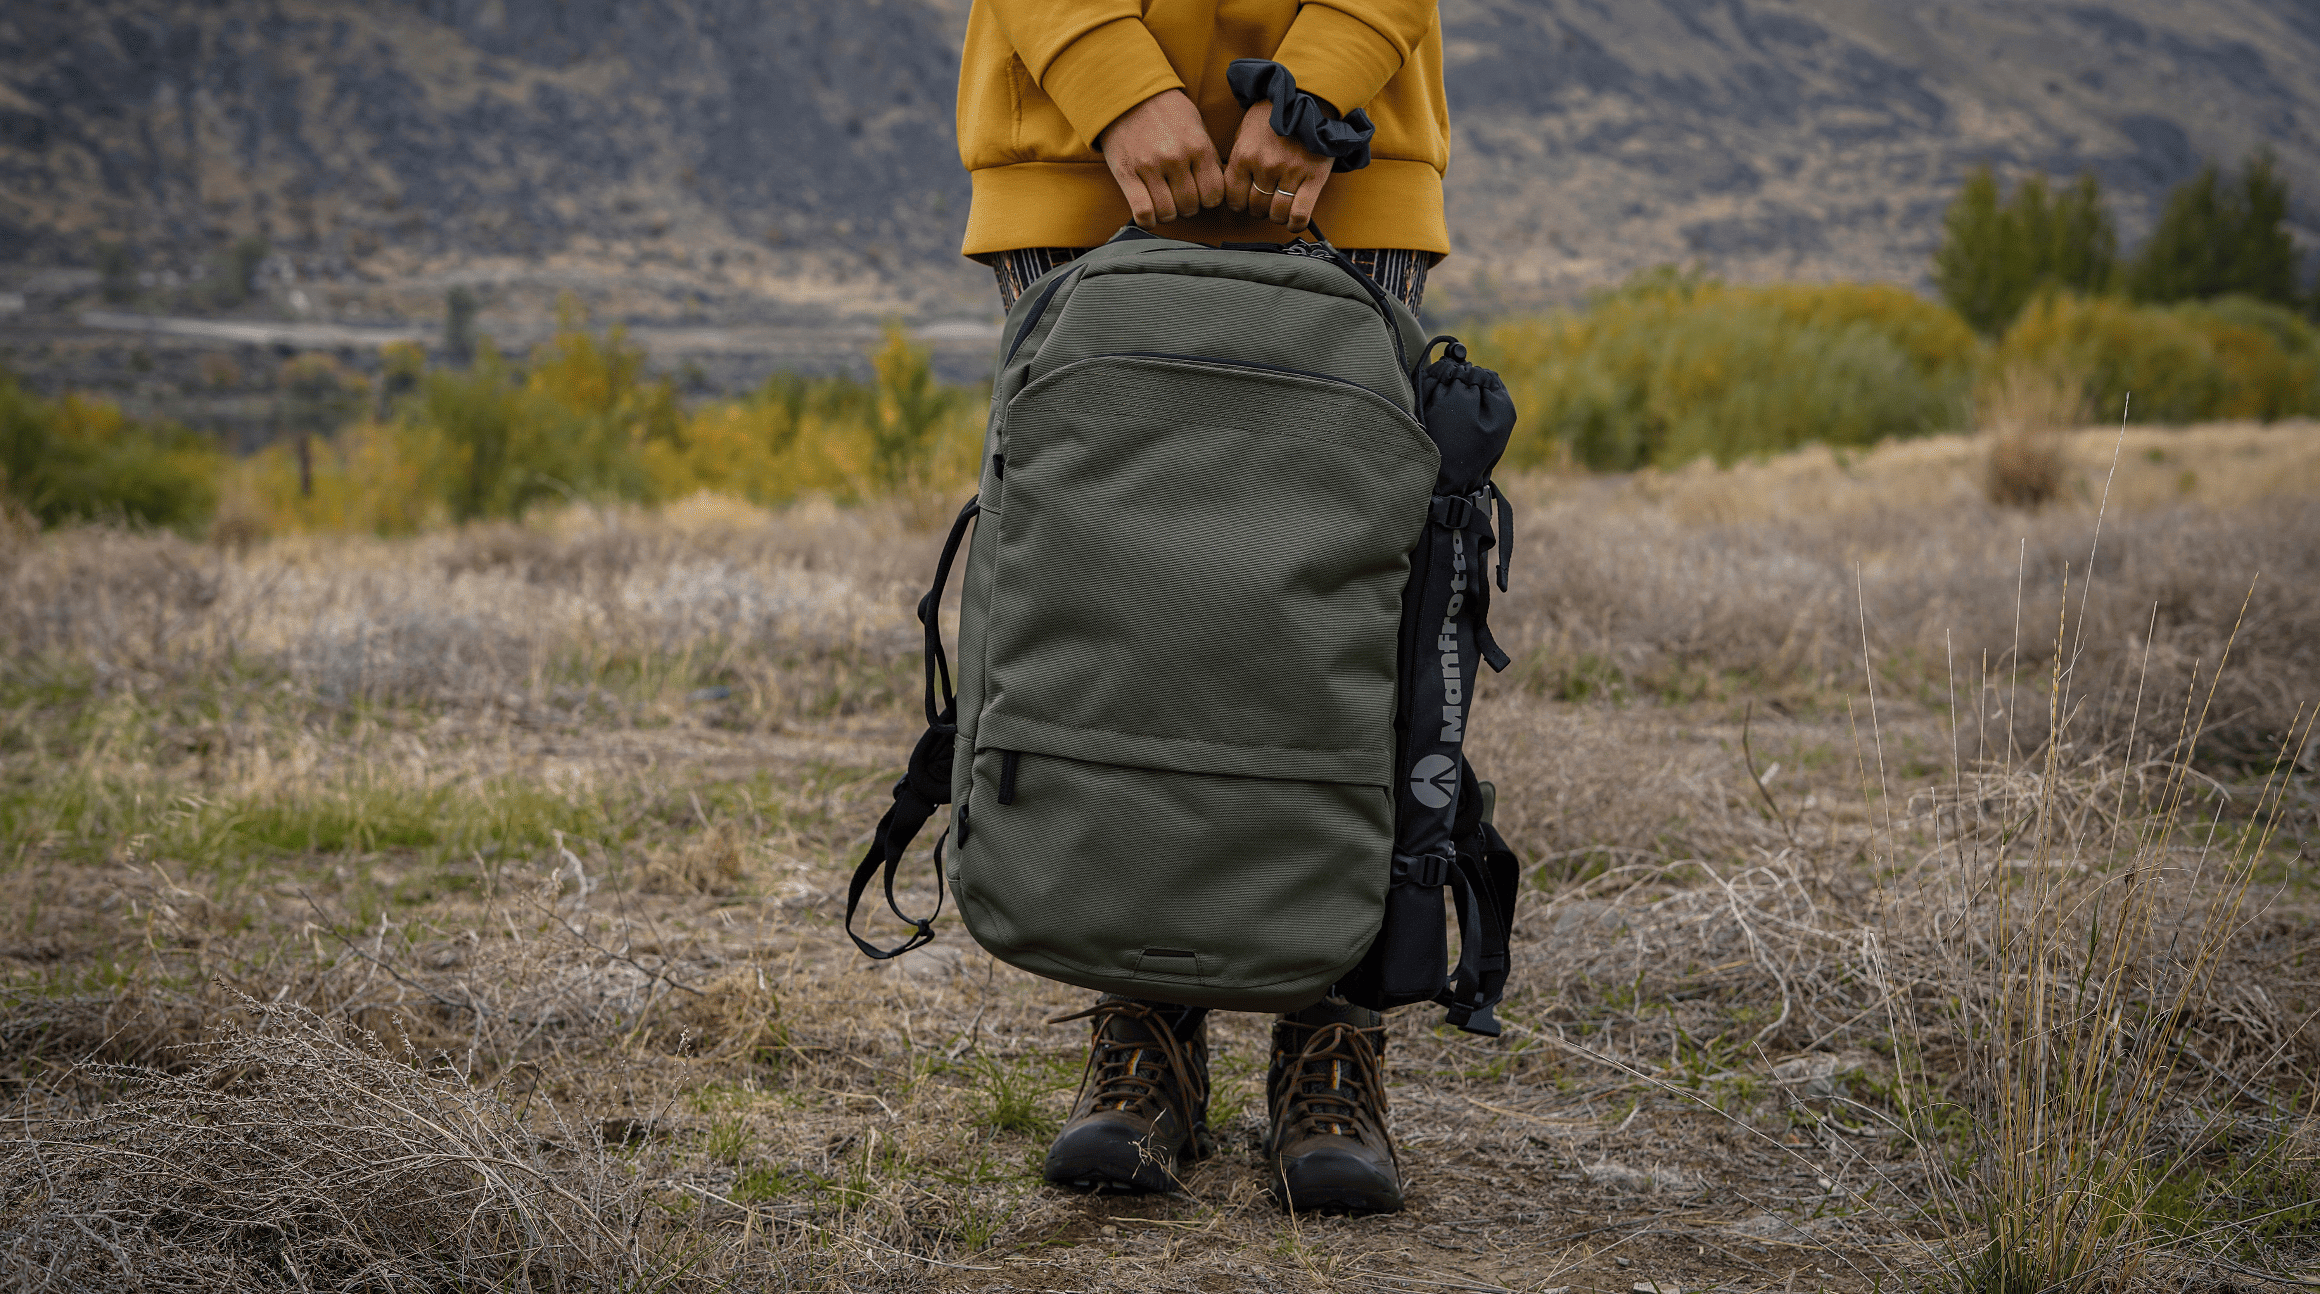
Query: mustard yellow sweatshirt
{"points": [[1040, 80]]}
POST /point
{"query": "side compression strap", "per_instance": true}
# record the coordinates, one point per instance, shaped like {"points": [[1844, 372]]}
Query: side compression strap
{"points": [[926, 780], [1484, 883], [1484, 931]]}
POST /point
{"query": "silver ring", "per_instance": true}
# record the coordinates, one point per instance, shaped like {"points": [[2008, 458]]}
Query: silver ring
{"points": [[1260, 188]]}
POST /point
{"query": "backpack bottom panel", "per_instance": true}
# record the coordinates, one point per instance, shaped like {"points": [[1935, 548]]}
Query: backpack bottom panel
{"points": [[1241, 893]]}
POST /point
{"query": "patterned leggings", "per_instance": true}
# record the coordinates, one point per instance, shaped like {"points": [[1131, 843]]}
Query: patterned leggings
{"points": [[1400, 272]]}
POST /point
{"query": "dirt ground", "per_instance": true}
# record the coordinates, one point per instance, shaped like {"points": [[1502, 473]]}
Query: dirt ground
{"points": [[563, 817]]}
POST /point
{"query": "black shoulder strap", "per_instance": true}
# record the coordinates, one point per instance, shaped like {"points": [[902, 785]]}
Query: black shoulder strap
{"points": [[926, 780]]}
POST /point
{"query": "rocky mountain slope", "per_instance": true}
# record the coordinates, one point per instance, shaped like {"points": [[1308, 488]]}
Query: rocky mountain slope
{"points": [[789, 161]]}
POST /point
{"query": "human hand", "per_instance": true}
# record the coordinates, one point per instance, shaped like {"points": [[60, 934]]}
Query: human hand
{"points": [[1262, 160], [1160, 154]]}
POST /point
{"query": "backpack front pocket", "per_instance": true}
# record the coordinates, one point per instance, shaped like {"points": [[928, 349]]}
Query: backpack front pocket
{"points": [[1208, 559], [1190, 646]]}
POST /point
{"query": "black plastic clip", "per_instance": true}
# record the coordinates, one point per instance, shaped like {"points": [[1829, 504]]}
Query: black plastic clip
{"points": [[1431, 871]]}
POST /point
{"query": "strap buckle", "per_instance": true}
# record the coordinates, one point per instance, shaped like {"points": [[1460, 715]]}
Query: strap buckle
{"points": [[1453, 511], [1431, 871]]}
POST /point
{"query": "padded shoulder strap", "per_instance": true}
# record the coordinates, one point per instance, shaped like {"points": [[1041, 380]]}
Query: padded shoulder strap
{"points": [[926, 780]]}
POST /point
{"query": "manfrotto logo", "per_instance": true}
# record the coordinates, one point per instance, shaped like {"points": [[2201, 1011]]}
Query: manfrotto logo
{"points": [[1453, 684], [1434, 780]]}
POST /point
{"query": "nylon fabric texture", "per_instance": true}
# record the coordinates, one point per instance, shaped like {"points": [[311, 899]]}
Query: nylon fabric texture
{"points": [[1204, 478]]}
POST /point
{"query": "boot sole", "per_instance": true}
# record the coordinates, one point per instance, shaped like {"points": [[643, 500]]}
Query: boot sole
{"points": [[1339, 1208]]}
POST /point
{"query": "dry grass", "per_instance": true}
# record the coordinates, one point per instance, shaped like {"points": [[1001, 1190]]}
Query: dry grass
{"points": [[288, 1155], [562, 815]]}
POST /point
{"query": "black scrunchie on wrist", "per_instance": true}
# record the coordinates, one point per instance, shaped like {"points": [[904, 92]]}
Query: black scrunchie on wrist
{"points": [[1298, 115]]}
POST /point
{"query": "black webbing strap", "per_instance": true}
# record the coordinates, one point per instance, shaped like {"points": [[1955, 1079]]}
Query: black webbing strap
{"points": [[1471, 515], [930, 606], [1484, 880], [1505, 533], [1479, 980], [926, 780]]}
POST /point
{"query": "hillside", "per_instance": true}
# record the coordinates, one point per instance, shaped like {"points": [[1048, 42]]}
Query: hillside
{"points": [[779, 162]]}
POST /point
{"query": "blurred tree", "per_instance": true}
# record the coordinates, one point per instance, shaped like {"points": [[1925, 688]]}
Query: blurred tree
{"points": [[317, 396], [459, 306], [1996, 255], [911, 407], [116, 272], [401, 365], [81, 459], [2080, 245], [2217, 239], [237, 272]]}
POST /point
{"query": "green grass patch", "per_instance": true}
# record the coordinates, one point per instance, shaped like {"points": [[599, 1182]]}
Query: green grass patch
{"points": [[78, 815]]}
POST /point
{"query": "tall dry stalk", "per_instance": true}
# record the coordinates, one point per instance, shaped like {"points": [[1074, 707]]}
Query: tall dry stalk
{"points": [[2079, 958]]}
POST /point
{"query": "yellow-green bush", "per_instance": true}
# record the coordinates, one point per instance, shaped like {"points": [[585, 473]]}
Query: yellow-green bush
{"points": [[2230, 358], [1670, 368], [82, 459], [582, 421], [832, 435], [372, 477]]}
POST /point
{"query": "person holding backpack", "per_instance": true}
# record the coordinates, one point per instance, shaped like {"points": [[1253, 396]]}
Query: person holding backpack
{"points": [[1223, 121], [1076, 117]]}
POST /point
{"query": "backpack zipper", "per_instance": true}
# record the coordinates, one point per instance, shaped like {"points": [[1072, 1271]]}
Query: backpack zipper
{"points": [[1261, 367]]}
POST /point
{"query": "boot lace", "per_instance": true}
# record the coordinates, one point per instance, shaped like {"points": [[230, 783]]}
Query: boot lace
{"points": [[1334, 1087], [1135, 1075]]}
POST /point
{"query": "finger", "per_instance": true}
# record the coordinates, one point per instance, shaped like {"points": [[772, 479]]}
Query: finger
{"points": [[1139, 201], [1185, 191], [1308, 197], [1208, 178], [1238, 177], [1163, 202], [1284, 197]]}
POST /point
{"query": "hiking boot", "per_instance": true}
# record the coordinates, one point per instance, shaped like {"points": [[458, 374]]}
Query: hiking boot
{"points": [[1328, 1147], [1143, 1099]]}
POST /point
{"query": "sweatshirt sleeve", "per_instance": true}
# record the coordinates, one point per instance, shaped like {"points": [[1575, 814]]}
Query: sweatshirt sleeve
{"points": [[1094, 58], [1345, 51]]}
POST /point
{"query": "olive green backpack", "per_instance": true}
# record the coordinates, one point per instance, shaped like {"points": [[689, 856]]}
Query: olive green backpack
{"points": [[1215, 633]]}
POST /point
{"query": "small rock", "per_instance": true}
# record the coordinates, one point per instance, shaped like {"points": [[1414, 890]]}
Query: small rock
{"points": [[1622, 1262], [1815, 1072], [1653, 1287]]}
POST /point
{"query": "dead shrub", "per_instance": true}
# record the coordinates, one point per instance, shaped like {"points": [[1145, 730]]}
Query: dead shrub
{"points": [[2024, 408], [2025, 469]]}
